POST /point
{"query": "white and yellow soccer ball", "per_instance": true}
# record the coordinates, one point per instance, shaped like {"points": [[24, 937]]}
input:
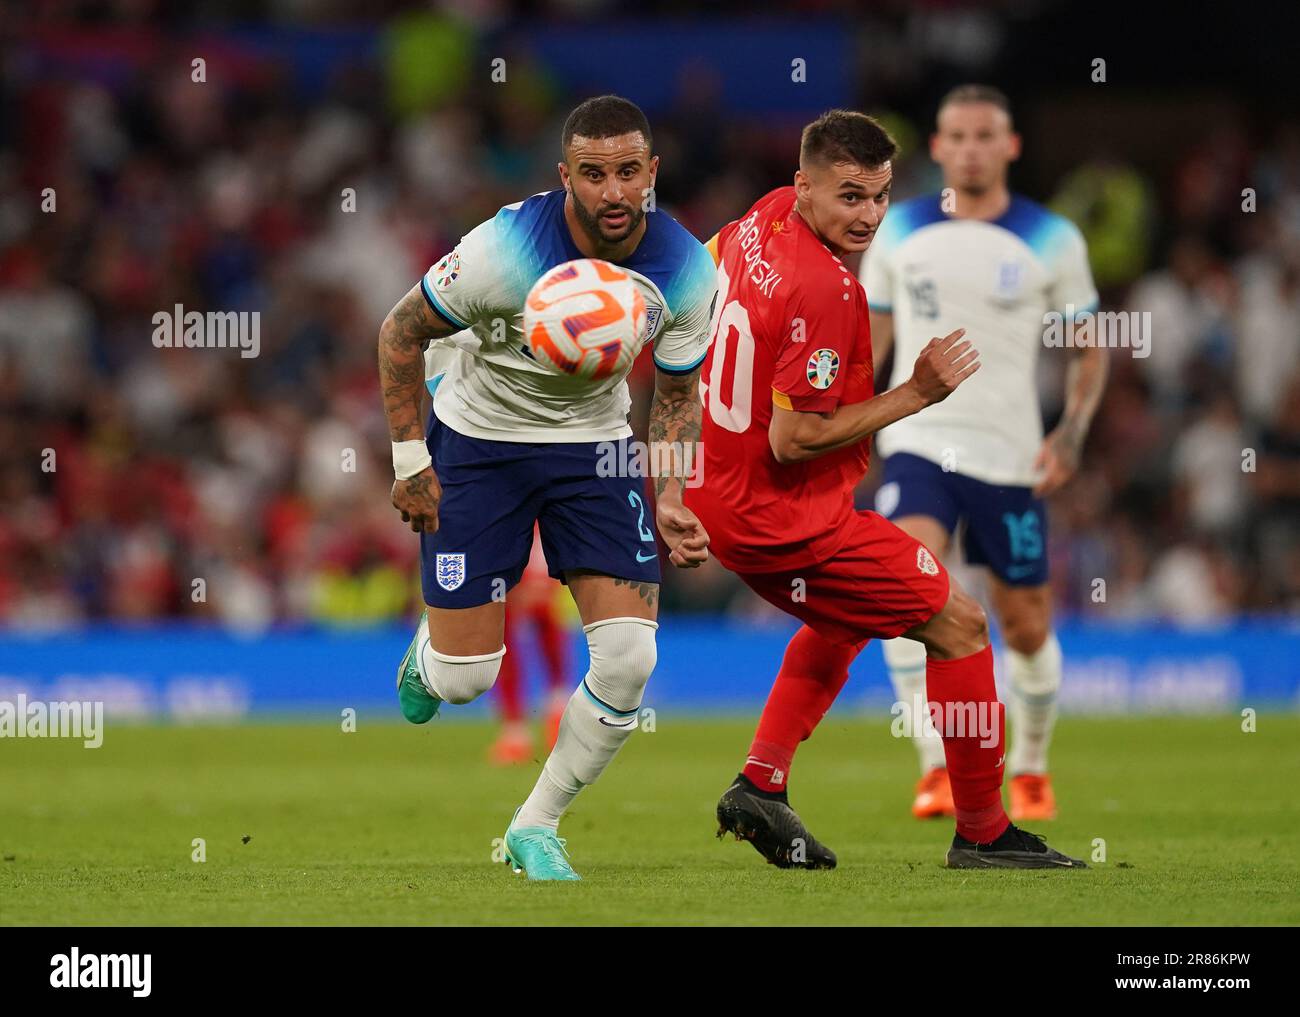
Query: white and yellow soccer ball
{"points": [[585, 318]]}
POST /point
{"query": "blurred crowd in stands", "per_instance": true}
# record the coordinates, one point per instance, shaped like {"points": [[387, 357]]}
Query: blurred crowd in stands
{"points": [[139, 483]]}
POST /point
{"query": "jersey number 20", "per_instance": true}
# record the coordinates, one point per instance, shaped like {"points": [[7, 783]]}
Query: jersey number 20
{"points": [[732, 336]]}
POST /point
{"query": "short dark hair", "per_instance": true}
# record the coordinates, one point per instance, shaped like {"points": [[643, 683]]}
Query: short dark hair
{"points": [[605, 116], [842, 135], [963, 94]]}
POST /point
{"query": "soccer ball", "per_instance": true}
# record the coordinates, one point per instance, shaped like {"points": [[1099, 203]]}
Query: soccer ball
{"points": [[585, 318]]}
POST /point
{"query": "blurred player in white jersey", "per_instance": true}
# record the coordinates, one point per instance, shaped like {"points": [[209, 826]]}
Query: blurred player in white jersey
{"points": [[977, 465], [510, 445]]}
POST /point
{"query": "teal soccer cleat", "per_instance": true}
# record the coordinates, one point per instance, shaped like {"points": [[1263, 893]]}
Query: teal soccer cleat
{"points": [[418, 704], [537, 851]]}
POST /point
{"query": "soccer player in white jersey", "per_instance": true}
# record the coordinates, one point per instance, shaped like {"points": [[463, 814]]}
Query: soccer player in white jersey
{"points": [[509, 444], [977, 465]]}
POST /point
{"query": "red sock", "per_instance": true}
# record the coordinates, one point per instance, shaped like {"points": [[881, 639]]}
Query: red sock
{"points": [[974, 769], [509, 694], [551, 640], [812, 673]]}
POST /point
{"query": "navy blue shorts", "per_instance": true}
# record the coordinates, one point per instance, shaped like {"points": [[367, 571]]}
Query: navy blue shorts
{"points": [[494, 491], [1006, 526]]}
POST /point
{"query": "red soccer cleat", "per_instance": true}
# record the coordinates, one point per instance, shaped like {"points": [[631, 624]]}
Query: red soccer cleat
{"points": [[513, 746], [933, 795], [1031, 797]]}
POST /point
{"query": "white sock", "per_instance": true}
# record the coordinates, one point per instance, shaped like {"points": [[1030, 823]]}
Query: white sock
{"points": [[600, 716], [905, 659], [1035, 680], [546, 804], [455, 680]]}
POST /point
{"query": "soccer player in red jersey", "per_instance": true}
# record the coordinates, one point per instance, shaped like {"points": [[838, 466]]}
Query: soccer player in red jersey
{"points": [[789, 414], [531, 605]]}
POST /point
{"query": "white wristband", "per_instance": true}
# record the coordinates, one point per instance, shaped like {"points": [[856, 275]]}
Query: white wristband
{"points": [[410, 458]]}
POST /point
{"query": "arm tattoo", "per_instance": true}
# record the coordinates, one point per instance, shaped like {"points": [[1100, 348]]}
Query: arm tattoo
{"points": [[420, 487], [402, 339], [674, 432]]}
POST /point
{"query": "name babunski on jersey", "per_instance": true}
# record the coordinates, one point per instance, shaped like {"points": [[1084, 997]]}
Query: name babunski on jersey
{"points": [[761, 272]]}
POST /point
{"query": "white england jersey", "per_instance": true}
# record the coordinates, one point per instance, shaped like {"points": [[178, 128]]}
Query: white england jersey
{"points": [[997, 280], [486, 383]]}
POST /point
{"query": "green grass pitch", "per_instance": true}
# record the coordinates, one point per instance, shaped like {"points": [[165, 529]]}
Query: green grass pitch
{"points": [[393, 824]]}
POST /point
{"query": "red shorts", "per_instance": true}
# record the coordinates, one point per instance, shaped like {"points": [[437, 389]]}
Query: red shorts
{"points": [[880, 584]]}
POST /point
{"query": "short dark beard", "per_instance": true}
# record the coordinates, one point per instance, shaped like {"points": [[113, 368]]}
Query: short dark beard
{"points": [[591, 223]]}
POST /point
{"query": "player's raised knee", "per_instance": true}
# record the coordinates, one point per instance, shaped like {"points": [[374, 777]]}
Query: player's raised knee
{"points": [[461, 680], [1025, 636], [973, 622], [623, 656], [960, 629]]}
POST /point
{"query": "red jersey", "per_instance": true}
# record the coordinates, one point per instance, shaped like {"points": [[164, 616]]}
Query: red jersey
{"points": [[790, 327]]}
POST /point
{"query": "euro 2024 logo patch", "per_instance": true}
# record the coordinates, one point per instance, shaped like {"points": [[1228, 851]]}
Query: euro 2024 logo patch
{"points": [[450, 570], [823, 366], [446, 271]]}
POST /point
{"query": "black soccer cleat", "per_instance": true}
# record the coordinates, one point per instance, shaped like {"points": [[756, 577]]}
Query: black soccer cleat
{"points": [[1015, 849], [765, 819]]}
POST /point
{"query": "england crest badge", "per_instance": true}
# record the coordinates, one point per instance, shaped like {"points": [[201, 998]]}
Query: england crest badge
{"points": [[450, 570], [653, 312], [1010, 281]]}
